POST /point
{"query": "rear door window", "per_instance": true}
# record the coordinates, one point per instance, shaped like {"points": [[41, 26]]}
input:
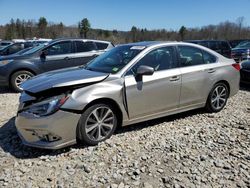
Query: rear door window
{"points": [[208, 58], [190, 56], [60, 48], [85, 46], [101, 45]]}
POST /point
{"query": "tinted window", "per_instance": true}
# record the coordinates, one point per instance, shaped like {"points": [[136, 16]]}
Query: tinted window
{"points": [[101, 45], [60, 48], [208, 58], [85, 46], [243, 44], [214, 45], [190, 56], [203, 43], [5, 43], [225, 45], [15, 48], [159, 59]]}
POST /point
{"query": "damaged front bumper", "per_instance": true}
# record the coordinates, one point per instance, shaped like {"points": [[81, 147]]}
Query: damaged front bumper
{"points": [[50, 132]]}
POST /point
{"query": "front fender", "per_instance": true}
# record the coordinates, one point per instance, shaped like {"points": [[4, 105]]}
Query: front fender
{"points": [[113, 90], [22, 65]]}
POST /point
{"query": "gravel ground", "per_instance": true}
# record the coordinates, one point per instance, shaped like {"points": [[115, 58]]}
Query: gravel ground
{"points": [[193, 149]]}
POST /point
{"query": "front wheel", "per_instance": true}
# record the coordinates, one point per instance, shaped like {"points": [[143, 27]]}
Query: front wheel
{"points": [[18, 78], [97, 124], [217, 98]]}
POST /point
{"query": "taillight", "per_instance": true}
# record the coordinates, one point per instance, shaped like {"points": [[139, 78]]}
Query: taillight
{"points": [[236, 66]]}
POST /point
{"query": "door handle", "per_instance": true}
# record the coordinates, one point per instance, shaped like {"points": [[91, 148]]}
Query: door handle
{"points": [[211, 70], [174, 78], [66, 58]]}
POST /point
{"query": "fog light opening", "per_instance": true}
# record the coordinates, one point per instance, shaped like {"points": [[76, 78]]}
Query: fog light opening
{"points": [[44, 136]]}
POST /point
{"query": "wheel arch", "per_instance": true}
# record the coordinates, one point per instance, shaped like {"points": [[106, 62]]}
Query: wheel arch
{"points": [[21, 69], [226, 83], [107, 101]]}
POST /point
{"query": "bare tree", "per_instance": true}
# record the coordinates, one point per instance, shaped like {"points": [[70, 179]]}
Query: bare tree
{"points": [[240, 21]]}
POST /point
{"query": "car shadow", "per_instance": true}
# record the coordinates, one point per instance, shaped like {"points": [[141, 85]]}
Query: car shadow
{"points": [[5, 90], [12, 144], [245, 87], [155, 122]]}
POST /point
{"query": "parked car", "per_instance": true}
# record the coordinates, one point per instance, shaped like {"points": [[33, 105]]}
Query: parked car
{"points": [[129, 84], [58, 54], [14, 48], [40, 41], [5, 43], [234, 43], [241, 51], [220, 46], [245, 72]]}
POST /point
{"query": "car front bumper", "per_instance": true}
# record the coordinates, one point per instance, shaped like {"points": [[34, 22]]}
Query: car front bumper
{"points": [[51, 132]]}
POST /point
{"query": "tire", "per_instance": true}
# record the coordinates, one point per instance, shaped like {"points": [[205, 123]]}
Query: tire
{"points": [[217, 98], [89, 127], [19, 77]]}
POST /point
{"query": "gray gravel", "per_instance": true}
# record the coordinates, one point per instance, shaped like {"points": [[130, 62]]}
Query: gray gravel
{"points": [[193, 149]]}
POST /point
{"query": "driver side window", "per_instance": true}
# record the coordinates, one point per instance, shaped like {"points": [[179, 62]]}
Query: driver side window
{"points": [[60, 48], [159, 59]]}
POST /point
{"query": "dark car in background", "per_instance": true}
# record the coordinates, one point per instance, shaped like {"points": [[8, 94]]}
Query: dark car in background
{"points": [[245, 72], [60, 53], [220, 46], [241, 51], [234, 43], [5, 43], [14, 48]]}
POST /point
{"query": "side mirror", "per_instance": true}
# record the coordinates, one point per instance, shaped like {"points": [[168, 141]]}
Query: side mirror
{"points": [[43, 54], [144, 70]]}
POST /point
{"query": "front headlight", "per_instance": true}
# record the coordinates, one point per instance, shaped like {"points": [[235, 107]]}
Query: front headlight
{"points": [[47, 107], [5, 62]]}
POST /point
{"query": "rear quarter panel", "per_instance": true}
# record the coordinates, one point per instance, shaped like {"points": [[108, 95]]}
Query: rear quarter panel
{"points": [[226, 72]]}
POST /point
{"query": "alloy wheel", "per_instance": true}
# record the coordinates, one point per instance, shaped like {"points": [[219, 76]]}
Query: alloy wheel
{"points": [[219, 97], [21, 78], [99, 123]]}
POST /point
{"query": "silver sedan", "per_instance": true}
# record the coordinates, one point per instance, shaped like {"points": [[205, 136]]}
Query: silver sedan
{"points": [[128, 84]]}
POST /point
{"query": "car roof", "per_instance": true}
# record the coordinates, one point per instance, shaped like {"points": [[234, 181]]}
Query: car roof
{"points": [[77, 39], [147, 43], [206, 41]]}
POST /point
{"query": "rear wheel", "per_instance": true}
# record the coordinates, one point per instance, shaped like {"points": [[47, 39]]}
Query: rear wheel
{"points": [[217, 98], [18, 78], [97, 124]]}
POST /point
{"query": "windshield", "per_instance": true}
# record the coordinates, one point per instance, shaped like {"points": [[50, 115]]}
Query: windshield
{"points": [[115, 59], [243, 45], [22, 51], [34, 49]]}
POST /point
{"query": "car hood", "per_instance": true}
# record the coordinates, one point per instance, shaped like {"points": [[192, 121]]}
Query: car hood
{"points": [[13, 57], [239, 49], [69, 77]]}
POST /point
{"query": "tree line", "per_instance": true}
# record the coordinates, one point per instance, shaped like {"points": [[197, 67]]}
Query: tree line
{"points": [[24, 29]]}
